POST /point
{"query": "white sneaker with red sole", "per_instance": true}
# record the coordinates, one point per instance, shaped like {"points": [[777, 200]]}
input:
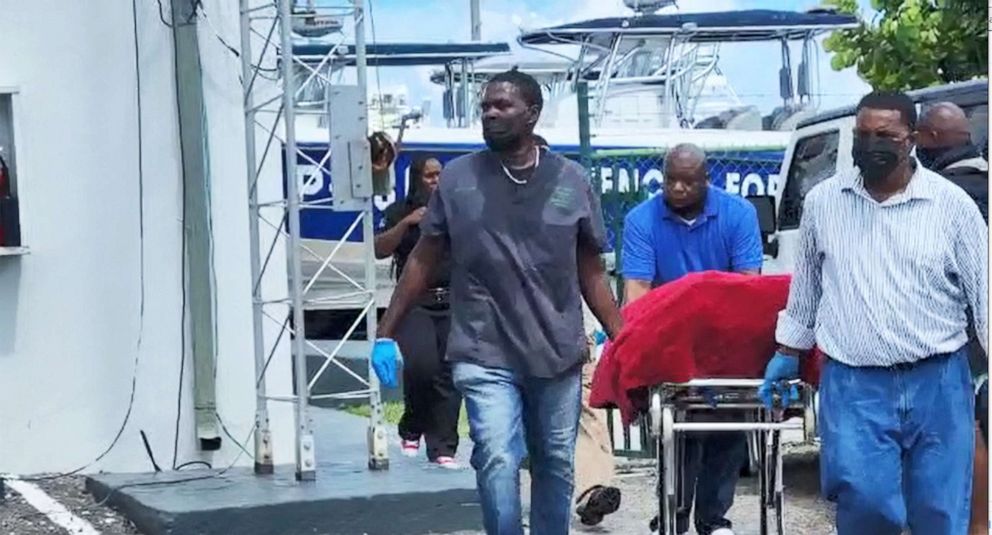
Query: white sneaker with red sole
{"points": [[448, 463], [410, 448]]}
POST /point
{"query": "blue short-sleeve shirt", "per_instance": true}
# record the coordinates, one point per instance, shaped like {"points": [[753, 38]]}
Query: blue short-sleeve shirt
{"points": [[660, 247]]}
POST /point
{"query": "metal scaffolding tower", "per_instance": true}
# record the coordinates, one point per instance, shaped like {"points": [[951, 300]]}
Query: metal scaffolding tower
{"points": [[279, 90]]}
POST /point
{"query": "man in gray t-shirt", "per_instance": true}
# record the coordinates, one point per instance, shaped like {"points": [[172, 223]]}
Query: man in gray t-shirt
{"points": [[514, 246], [525, 232]]}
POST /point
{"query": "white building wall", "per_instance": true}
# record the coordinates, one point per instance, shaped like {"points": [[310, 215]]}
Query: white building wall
{"points": [[69, 310]]}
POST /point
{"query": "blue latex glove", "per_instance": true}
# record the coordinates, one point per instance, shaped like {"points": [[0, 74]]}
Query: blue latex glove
{"points": [[599, 338], [781, 368], [386, 359]]}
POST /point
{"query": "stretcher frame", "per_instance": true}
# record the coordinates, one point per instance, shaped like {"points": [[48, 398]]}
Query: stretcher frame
{"points": [[676, 409]]}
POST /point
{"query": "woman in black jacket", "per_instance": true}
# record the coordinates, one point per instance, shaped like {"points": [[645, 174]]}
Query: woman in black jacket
{"points": [[432, 404]]}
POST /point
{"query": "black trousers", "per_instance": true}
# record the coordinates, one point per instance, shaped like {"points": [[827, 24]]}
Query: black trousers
{"points": [[432, 404], [979, 363]]}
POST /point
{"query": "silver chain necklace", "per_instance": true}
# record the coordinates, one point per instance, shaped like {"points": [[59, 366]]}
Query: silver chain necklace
{"points": [[515, 180]]}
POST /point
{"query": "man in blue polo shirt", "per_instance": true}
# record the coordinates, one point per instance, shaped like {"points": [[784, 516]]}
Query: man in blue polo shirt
{"points": [[689, 227]]}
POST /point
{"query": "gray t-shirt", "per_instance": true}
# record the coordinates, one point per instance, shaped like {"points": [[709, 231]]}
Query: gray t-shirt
{"points": [[515, 298]]}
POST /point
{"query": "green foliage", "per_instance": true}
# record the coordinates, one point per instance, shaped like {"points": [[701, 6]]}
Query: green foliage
{"points": [[392, 412], [914, 43]]}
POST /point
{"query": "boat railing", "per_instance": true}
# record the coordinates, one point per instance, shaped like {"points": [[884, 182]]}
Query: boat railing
{"points": [[679, 53]]}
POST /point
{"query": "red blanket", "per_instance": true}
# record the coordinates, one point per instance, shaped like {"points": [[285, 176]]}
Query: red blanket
{"points": [[704, 325]]}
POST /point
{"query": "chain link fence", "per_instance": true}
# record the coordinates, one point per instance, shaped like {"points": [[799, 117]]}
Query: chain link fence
{"points": [[626, 178]]}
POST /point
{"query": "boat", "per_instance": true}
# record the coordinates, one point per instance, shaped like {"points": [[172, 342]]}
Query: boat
{"points": [[653, 79]]}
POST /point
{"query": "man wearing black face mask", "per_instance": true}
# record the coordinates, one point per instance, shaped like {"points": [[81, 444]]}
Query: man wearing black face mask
{"points": [[525, 232], [889, 259], [944, 145]]}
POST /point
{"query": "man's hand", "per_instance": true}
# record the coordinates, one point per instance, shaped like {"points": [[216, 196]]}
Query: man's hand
{"points": [[780, 369], [386, 358], [415, 217]]}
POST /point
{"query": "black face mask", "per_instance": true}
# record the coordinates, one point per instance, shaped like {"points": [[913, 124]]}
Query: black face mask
{"points": [[500, 137], [876, 157]]}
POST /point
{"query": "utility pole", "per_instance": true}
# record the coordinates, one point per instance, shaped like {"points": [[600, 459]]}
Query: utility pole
{"points": [[476, 21]]}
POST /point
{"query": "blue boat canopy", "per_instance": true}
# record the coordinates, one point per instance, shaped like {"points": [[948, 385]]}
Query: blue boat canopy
{"points": [[745, 25], [402, 54]]}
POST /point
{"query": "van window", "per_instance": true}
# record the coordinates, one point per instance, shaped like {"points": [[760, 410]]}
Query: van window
{"points": [[814, 159], [978, 116]]}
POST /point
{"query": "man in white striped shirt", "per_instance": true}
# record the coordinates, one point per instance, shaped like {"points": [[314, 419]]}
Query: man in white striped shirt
{"points": [[890, 257]]}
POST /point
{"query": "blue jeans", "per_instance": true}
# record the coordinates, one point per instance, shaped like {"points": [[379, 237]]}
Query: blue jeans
{"points": [[505, 412], [898, 446], [712, 466]]}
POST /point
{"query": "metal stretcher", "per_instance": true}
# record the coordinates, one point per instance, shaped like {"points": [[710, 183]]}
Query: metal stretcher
{"points": [[722, 405]]}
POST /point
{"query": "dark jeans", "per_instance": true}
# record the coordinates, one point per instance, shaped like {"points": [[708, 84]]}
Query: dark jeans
{"points": [[432, 403], [898, 446], [712, 466]]}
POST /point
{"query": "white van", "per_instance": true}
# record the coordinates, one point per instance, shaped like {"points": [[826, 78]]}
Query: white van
{"points": [[821, 147]]}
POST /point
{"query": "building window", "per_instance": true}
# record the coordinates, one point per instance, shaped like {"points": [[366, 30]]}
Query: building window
{"points": [[10, 228]]}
